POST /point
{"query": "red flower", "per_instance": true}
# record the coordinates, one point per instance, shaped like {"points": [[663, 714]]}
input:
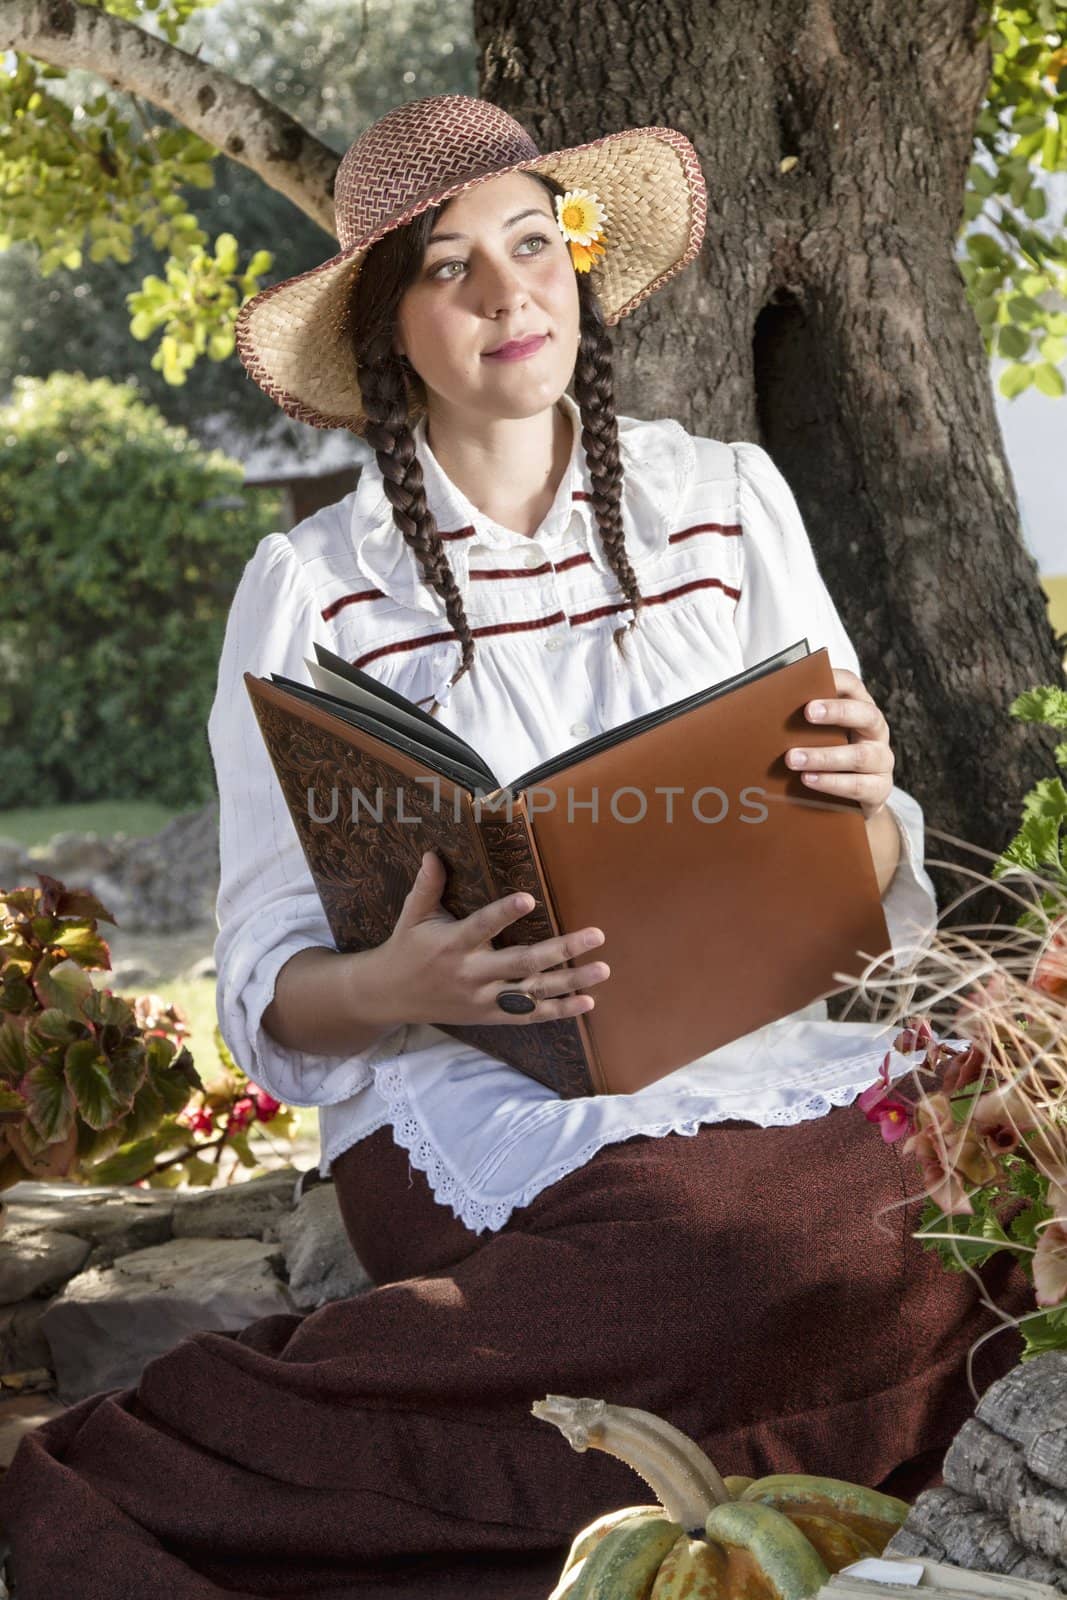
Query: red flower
{"points": [[242, 1112], [266, 1106]]}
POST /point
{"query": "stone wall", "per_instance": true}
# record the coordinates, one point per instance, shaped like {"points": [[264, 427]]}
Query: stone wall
{"points": [[95, 1282]]}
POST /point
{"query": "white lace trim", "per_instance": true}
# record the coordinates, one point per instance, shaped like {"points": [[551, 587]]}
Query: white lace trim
{"points": [[478, 1215]]}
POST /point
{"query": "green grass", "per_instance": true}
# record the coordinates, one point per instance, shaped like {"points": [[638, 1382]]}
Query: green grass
{"points": [[30, 826]]}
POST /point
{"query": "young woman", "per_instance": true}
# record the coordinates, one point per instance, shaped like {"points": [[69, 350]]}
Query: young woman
{"points": [[720, 1248]]}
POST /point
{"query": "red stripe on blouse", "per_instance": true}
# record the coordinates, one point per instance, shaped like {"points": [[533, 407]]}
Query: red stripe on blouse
{"points": [[350, 599], [706, 527], [490, 629], [478, 633], [655, 599]]}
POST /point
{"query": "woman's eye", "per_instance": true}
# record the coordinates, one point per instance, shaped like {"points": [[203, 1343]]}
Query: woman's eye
{"points": [[440, 271]]}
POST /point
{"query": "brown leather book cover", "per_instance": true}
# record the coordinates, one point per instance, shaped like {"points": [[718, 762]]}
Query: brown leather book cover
{"points": [[729, 894]]}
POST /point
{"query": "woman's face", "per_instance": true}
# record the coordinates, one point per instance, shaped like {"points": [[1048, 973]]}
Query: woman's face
{"points": [[505, 273]]}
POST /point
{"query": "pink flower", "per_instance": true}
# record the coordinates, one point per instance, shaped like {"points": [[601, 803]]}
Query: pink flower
{"points": [[1050, 971], [892, 1114], [1002, 1116], [964, 1067], [939, 1178], [917, 1035], [947, 1155], [894, 1119]]}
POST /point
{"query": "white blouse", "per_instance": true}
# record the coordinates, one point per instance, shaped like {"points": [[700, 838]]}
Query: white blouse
{"points": [[729, 577]]}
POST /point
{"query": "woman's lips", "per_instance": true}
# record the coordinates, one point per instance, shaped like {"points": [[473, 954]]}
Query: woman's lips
{"points": [[513, 352]]}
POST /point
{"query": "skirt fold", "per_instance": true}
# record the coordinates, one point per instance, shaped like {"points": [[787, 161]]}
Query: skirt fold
{"points": [[759, 1288]]}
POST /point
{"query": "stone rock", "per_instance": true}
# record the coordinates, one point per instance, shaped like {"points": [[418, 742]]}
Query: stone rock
{"points": [[249, 1210], [132, 974], [204, 968], [321, 1263], [22, 1341], [12, 864], [34, 1261], [113, 1220], [162, 883], [107, 1324]]}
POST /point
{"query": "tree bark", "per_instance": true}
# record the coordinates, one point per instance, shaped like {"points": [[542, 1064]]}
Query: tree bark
{"points": [[233, 117], [826, 318], [1002, 1506]]}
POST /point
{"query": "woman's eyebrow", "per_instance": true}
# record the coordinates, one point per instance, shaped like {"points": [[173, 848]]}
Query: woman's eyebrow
{"points": [[534, 211]]}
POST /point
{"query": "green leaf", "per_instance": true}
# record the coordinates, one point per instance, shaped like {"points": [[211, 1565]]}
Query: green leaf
{"points": [[83, 944], [1012, 342], [1047, 800], [1014, 379], [1046, 703], [90, 1083], [11, 1100], [1024, 309], [239, 1142], [50, 1105], [49, 1031], [984, 249], [201, 1174], [13, 1059], [129, 1165], [1049, 379], [63, 987]]}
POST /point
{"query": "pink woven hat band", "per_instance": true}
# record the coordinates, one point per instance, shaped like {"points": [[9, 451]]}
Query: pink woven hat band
{"points": [[295, 337]]}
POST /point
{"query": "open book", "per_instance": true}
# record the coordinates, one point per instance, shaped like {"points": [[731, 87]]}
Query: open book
{"points": [[728, 893]]}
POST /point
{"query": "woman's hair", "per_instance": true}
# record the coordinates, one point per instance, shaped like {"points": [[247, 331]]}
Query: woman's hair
{"points": [[387, 383]]}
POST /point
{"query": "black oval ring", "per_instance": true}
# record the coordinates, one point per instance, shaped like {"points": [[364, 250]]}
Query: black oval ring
{"points": [[515, 1001]]}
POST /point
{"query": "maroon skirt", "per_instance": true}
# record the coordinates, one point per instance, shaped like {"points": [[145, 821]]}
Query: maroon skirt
{"points": [[738, 1282]]}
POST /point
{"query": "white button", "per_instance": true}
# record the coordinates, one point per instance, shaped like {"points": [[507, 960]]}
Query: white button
{"points": [[579, 728], [554, 644], [534, 559]]}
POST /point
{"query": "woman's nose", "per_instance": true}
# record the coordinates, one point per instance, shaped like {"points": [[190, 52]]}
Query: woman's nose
{"points": [[503, 289]]}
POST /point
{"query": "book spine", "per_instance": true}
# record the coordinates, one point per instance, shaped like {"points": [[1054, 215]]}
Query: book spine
{"points": [[557, 1050]]}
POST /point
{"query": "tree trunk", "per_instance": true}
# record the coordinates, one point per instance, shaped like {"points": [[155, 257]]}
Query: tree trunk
{"points": [[825, 318]]}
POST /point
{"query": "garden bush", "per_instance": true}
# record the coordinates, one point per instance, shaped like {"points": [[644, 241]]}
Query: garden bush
{"points": [[121, 544]]}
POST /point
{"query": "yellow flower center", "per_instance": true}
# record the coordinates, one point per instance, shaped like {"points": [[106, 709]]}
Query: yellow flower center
{"points": [[573, 216]]}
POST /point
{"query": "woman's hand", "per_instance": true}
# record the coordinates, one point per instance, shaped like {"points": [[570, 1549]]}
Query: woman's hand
{"points": [[439, 968], [861, 769]]}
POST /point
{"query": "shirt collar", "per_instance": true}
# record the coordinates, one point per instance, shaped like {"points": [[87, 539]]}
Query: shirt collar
{"points": [[657, 459]]}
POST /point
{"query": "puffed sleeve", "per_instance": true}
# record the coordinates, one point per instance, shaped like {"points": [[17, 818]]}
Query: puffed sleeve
{"points": [[268, 907], [784, 598]]}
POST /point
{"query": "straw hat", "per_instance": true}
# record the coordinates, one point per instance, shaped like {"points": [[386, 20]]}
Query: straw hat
{"points": [[294, 337]]}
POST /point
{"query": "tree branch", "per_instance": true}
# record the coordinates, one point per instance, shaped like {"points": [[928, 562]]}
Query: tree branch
{"points": [[233, 117]]}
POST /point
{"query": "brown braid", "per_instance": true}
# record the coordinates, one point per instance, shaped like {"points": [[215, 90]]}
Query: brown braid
{"points": [[383, 386], [388, 386], [594, 394]]}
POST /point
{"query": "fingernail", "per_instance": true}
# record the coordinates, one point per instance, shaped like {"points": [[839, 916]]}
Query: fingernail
{"points": [[797, 758], [817, 709]]}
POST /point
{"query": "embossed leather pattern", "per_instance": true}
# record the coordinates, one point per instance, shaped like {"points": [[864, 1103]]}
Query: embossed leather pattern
{"points": [[363, 868]]}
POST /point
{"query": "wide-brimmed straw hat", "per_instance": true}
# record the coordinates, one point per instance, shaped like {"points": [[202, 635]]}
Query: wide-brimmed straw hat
{"points": [[295, 337]]}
